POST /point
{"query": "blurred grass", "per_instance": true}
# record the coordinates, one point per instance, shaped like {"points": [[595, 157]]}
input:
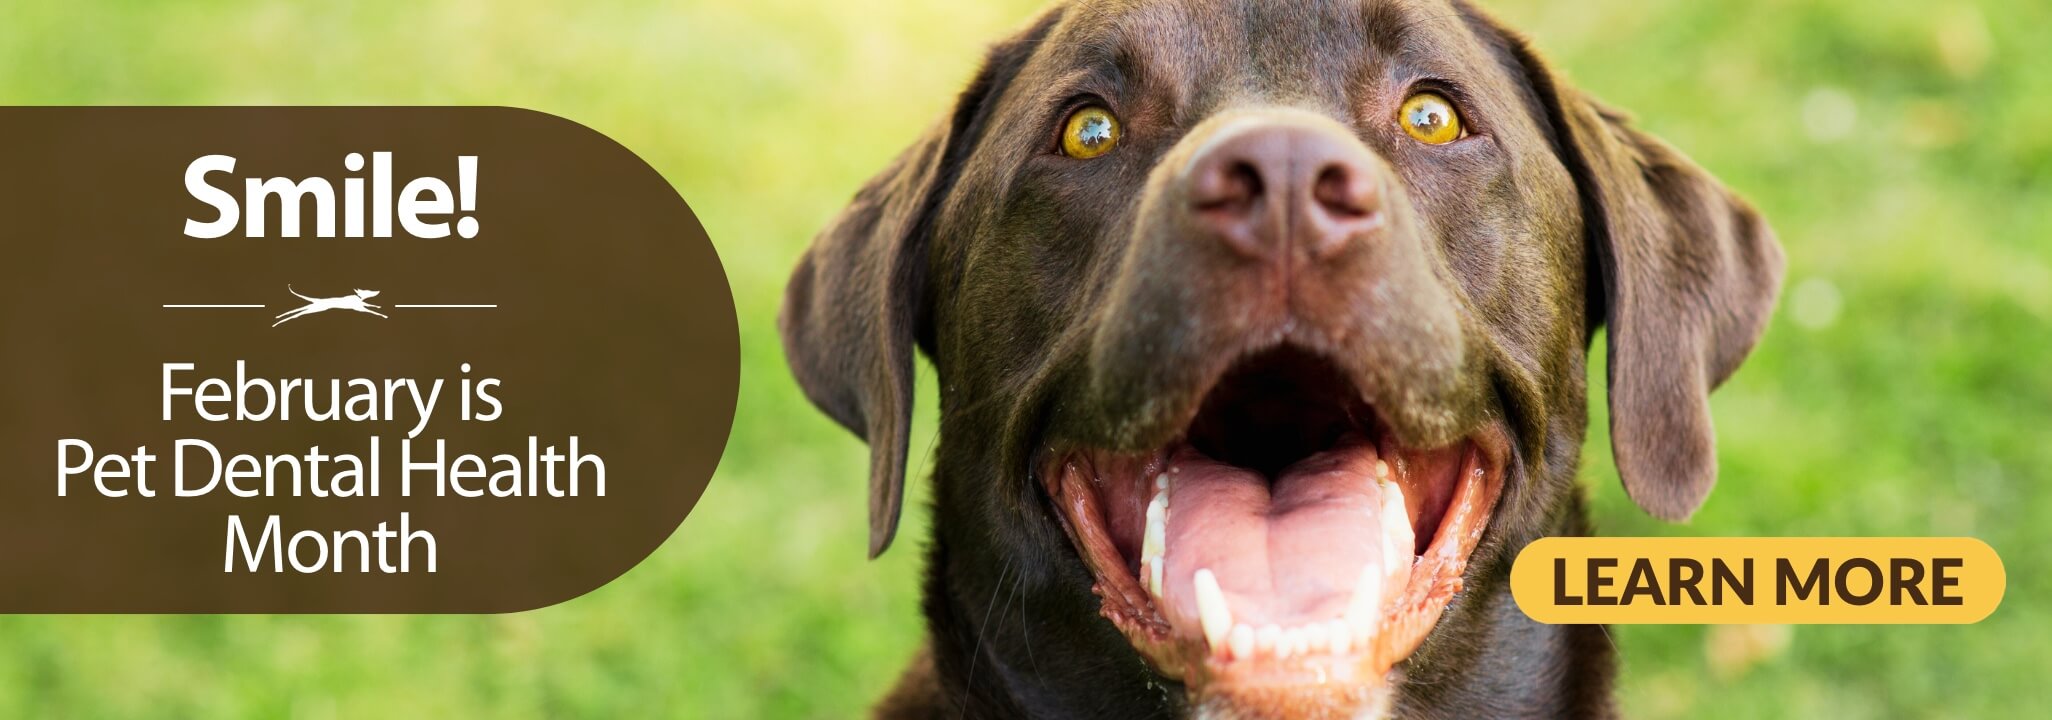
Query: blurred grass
{"points": [[1902, 149]]}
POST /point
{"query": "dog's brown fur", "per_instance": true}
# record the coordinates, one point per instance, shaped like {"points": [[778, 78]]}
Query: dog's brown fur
{"points": [[1038, 285]]}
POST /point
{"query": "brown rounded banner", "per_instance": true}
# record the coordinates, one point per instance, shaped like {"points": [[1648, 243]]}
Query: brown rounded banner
{"points": [[296, 360], [1621, 580]]}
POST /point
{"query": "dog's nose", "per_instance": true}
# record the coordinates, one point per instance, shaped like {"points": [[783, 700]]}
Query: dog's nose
{"points": [[1263, 188]]}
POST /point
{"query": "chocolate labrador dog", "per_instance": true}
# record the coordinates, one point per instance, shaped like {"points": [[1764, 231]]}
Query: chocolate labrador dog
{"points": [[1261, 330]]}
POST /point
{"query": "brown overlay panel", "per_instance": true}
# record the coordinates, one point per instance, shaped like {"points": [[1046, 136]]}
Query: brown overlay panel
{"points": [[613, 323]]}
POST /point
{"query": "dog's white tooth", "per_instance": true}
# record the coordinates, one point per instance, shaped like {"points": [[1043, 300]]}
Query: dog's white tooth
{"points": [[1315, 638], [1365, 610], [1154, 539], [1341, 633], [1151, 544], [1266, 638], [1241, 641], [1399, 543], [1291, 641], [1212, 613], [1382, 469]]}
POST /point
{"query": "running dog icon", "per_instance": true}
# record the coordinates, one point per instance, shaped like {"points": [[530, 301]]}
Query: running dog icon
{"points": [[345, 302]]}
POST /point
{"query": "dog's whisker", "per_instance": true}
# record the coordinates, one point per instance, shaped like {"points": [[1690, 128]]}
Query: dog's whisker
{"points": [[981, 629]]}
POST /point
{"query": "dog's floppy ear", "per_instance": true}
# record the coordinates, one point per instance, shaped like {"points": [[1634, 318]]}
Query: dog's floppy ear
{"points": [[858, 299], [1688, 274]]}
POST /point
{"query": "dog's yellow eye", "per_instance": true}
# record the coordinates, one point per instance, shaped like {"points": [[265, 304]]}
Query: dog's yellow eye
{"points": [[1089, 132], [1431, 119]]}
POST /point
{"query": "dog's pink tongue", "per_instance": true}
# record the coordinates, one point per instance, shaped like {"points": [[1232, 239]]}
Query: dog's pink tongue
{"points": [[1287, 552]]}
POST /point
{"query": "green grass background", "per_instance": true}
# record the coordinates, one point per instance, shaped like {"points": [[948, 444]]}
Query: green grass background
{"points": [[1902, 149]]}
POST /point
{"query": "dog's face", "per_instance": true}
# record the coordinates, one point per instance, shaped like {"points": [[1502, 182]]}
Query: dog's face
{"points": [[366, 294], [1261, 330]]}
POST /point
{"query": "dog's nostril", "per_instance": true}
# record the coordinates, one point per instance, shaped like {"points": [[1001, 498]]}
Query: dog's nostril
{"points": [[1344, 192], [1231, 189]]}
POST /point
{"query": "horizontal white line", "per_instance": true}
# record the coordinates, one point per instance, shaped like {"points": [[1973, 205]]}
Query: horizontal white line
{"points": [[444, 306], [213, 306]]}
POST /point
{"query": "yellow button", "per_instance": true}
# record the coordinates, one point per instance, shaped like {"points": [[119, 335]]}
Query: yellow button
{"points": [[1617, 580]]}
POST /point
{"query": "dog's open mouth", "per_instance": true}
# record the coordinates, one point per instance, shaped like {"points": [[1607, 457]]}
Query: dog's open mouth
{"points": [[1286, 541]]}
